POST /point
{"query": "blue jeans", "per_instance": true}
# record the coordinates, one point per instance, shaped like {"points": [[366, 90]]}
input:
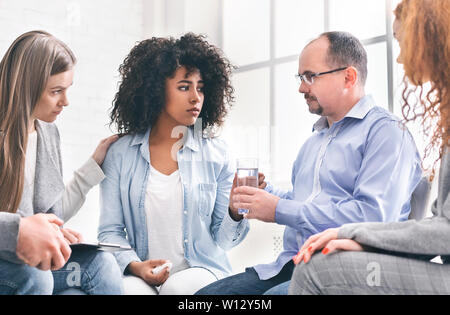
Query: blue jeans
{"points": [[281, 289], [248, 283], [89, 271]]}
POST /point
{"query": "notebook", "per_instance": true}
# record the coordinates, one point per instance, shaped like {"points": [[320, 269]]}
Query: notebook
{"points": [[107, 247]]}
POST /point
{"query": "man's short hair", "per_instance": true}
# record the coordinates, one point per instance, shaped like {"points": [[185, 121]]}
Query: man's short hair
{"points": [[346, 50]]}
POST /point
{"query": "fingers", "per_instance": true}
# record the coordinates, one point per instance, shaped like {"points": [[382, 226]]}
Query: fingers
{"points": [[161, 277], [314, 243], [242, 205], [78, 235], [45, 263], [306, 246], [321, 241], [155, 279], [66, 252], [53, 218], [70, 239], [233, 209], [165, 274], [31, 261], [102, 148], [234, 182], [72, 236], [110, 140], [243, 198], [57, 257], [242, 202], [61, 253], [261, 183], [331, 246], [41, 243], [156, 262], [58, 260], [299, 257], [245, 190], [311, 240], [342, 244]]}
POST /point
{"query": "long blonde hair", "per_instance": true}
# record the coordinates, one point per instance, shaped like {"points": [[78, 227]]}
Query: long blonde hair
{"points": [[24, 72], [425, 26]]}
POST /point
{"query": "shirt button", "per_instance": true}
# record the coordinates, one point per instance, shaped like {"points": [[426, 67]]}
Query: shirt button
{"points": [[185, 212], [185, 240]]}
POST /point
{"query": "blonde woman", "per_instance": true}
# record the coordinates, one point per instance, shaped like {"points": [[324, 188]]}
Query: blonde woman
{"points": [[35, 74]]}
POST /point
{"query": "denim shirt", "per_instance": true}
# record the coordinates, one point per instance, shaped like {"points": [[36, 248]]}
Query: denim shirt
{"points": [[206, 175], [363, 168]]}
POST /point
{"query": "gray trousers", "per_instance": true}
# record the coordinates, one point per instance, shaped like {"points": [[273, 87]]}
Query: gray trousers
{"points": [[348, 272]]}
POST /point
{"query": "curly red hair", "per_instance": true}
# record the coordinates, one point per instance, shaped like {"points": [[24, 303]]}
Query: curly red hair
{"points": [[425, 46]]}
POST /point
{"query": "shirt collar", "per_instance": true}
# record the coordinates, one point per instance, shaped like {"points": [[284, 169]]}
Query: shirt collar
{"points": [[359, 111], [320, 124], [192, 138]]}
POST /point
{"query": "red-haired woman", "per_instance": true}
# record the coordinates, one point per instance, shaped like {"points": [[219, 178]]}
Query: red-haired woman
{"points": [[394, 258]]}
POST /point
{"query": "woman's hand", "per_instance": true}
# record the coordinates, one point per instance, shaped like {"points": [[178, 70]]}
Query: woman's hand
{"points": [[328, 242], [40, 242], [233, 210], [102, 148], [144, 271], [71, 236]]}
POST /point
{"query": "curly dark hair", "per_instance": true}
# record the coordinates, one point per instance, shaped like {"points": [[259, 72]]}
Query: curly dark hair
{"points": [[141, 96]]}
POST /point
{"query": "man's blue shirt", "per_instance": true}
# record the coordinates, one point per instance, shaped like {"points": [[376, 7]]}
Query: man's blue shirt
{"points": [[364, 168]]}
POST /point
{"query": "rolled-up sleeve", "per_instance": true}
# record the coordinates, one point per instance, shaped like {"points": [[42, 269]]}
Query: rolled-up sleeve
{"points": [[86, 177], [9, 227]]}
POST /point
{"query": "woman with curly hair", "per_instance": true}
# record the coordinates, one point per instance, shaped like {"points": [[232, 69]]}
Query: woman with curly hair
{"points": [[168, 184], [394, 258]]}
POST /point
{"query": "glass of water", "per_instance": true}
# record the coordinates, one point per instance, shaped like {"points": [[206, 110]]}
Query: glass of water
{"points": [[247, 175]]}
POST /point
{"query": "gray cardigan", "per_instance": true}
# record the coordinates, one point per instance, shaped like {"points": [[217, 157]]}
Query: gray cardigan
{"points": [[50, 194], [49, 186], [430, 236]]}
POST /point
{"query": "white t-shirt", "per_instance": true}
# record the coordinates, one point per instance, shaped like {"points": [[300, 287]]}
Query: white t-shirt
{"points": [[30, 162], [164, 208]]}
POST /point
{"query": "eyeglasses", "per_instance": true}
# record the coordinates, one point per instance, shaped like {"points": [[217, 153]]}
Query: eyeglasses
{"points": [[308, 78]]}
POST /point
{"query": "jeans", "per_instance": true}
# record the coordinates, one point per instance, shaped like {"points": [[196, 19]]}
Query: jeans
{"points": [[248, 283], [92, 272], [281, 289]]}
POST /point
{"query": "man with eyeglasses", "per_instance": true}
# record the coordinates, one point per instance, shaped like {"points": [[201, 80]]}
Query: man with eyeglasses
{"points": [[360, 164]]}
